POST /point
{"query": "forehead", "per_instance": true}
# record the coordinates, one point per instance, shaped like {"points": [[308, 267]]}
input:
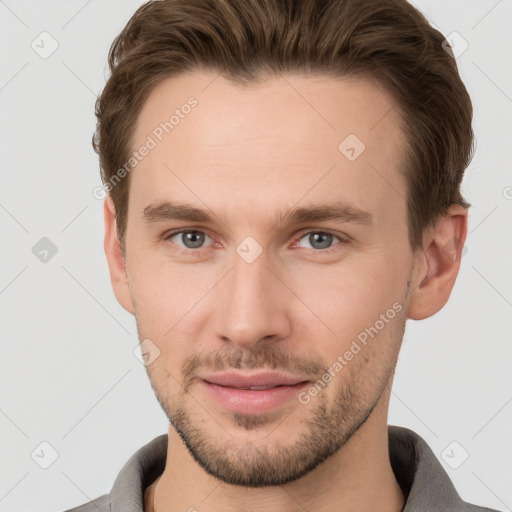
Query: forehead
{"points": [[286, 138]]}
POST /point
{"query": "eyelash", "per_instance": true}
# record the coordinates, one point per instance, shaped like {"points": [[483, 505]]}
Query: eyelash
{"points": [[343, 241]]}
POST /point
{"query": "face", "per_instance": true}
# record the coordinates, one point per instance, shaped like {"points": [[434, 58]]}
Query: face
{"points": [[265, 249]]}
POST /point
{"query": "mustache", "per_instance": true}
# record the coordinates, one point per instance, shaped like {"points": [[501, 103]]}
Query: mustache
{"points": [[264, 357]]}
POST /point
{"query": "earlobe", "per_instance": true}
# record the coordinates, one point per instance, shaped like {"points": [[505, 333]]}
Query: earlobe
{"points": [[438, 263], [115, 259]]}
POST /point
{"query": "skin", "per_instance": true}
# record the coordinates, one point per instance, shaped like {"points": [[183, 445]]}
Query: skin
{"points": [[246, 153]]}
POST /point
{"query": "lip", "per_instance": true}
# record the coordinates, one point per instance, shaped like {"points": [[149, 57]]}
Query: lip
{"points": [[232, 390], [262, 379]]}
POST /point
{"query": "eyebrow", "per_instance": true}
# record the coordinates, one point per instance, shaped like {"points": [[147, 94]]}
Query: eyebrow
{"points": [[334, 210]]}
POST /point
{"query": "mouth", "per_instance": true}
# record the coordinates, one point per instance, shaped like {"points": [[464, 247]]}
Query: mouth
{"points": [[258, 388], [263, 380], [252, 393]]}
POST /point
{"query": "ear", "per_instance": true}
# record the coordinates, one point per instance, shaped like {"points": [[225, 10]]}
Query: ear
{"points": [[437, 264], [115, 258]]}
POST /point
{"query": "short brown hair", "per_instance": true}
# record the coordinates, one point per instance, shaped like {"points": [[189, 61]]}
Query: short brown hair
{"points": [[388, 41]]}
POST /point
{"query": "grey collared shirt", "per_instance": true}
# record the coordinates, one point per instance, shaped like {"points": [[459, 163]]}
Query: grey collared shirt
{"points": [[421, 476]]}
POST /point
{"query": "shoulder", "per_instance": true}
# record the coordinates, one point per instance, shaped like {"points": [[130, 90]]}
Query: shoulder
{"points": [[424, 481], [101, 504]]}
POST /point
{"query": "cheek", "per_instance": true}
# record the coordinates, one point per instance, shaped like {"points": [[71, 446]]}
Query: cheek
{"points": [[354, 305], [164, 291], [350, 295], [169, 308]]}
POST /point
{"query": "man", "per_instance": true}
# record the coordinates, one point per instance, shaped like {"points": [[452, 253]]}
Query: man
{"points": [[283, 185]]}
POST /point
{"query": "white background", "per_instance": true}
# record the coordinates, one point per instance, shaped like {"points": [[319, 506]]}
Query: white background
{"points": [[68, 375]]}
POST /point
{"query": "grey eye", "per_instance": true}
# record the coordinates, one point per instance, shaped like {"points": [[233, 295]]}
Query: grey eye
{"points": [[319, 239], [189, 239]]}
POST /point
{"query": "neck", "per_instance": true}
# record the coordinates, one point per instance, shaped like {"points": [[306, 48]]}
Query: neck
{"points": [[357, 478]]}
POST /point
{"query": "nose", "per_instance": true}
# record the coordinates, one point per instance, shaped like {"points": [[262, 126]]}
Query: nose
{"points": [[255, 304]]}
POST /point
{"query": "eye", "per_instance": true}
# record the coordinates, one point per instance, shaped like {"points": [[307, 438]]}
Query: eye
{"points": [[320, 240], [190, 239]]}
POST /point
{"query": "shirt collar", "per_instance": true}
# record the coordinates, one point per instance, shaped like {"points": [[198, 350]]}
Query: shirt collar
{"points": [[423, 480]]}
